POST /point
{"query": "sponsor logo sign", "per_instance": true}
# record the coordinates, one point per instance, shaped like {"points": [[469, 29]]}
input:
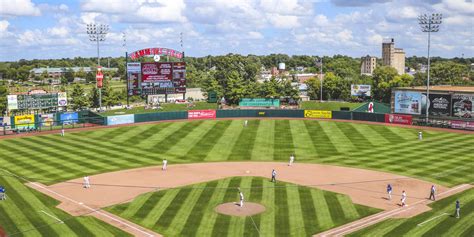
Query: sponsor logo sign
{"points": [[120, 119], [25, 121], [46, 119], [69, 118], [12, 102], [398, 119], [318, 114], [462, 106], [134, 67], [370, 108], [407, 102], [156, 51], [457, 124], [156, 72], [201, 114], [360, 90], [62, 99]]}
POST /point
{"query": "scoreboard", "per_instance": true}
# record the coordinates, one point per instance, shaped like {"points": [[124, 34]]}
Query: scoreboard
{"points": [[37, 101], [156, 78]]}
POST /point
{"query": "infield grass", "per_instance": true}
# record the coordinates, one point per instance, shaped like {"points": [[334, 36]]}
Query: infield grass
{"points": [[291, 210]]}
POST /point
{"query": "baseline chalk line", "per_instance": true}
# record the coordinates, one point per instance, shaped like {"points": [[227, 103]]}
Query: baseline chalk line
{"points": [[59, 220], [436, 217]]}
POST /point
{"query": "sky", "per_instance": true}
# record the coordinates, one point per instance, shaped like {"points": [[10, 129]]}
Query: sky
{"points": [[44, 29]]}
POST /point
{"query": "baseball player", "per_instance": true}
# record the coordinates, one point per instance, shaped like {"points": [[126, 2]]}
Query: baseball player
{"points": [[404, 198], [292, 159], [245, 123], [62, 132], [165, 163], [458, 209], [274, 173], [432, 192], [420, 136], [241, 198], [87, 183], [389, 191]]}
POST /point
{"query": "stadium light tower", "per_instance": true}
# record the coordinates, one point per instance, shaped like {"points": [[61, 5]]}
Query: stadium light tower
{"points": [[429, 23], [97, 33], [320, 64]]}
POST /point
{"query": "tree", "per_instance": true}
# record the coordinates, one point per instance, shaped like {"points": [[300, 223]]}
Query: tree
{"points": [[3, 99], [69, 75], [381, 87], [90, 77], [79, 101], [81, 73], [313, 85], [448, 73]]}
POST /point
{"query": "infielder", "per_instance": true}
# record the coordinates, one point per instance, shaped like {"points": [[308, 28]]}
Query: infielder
{"points": [[432, 192], [241, 198], [274, 174], [458, 209], [165, 163], [87, 183], [420, 136], [292, 159], [404, 198], [389, 191], [245, 123]]}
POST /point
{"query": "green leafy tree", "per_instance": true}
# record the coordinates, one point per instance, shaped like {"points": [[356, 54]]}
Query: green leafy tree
{"points": [[313, 85], [3, 98], [90, 77], [381, 84], [448, 73], [69, 75]]}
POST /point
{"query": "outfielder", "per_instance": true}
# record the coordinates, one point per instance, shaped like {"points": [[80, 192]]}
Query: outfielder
{"points": [[432, 192], [458, 209], [420, 136], [274, 174], [241, 198], [62, 132], [165, 163], [389, 191], [87, 183], [292, 159], [404, 198], [245, 123]]}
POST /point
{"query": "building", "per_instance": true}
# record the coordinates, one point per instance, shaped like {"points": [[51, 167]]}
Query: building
{"points": [[368, 65], [393, 57], [56, 72]]}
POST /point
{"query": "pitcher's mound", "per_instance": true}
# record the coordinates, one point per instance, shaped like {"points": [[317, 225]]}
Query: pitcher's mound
{"points": [[233, 209]]}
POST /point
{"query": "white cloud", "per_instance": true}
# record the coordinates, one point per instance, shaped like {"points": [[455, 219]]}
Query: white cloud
{"points": [[58, 31], [321, 20], [19, 8], [458, 6], [283, 21], [4, 26], [255, 35]]}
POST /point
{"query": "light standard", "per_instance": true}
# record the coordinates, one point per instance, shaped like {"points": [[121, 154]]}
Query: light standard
{"points": [[320, 64], [429, 23], [97, 33]]}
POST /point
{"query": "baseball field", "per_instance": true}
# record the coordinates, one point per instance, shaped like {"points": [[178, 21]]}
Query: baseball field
{"points": [[443, 158]]}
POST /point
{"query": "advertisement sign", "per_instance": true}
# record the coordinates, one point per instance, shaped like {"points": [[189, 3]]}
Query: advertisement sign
{"points": [[134, 67], [156, 72], [318, 114], [155, 51], [24, 121], [462, 106], [201, 114], [407, 102], [5, 121], [468, 125], [440, 105], [12, 102], [259, 102], [360, 90], [62, 99], [99, 77], [398, 119], [46, 120], [120, 119], [69, 118]]}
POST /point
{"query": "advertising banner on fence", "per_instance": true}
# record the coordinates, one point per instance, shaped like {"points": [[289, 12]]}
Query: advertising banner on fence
{"points": [[69, 118], [62, 98], [46, 120], [120, 119], [360, 90], [462, 106], [12, 102], [318, 114], [201, 114], [440, 105], [24, 121], [468, 125], [407, 102], [398, 119]]}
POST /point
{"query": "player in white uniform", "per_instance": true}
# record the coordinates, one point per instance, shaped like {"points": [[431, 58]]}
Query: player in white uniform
{"points": [[245, 123], [241, 198], [62, 132], [87, 183], [404, 198], [292, 159], [165, 163], [420, 136]]}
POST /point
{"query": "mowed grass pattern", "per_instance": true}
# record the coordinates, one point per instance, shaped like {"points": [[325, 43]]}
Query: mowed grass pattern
{"points": [[24, 214], [440, 221], [292, 210], [441, 157]]}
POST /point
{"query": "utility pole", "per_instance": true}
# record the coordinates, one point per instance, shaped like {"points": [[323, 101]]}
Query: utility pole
{"points": [[320, 64], [97, 33], [429, 23]]}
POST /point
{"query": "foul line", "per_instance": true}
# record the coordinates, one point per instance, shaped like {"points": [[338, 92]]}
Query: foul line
{"points": [[85, 206], [255, 226], [59, 220], [422, 223]]}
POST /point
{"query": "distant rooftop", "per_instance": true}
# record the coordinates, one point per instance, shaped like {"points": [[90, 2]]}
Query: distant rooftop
{"points": [[64, 69], [469, 89]]}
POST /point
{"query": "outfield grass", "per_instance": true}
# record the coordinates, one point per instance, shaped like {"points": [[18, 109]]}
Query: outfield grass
{"points": [[23, 214], [330, 105], [292, 210], [440, 221], [164, 108], [444, 158]]}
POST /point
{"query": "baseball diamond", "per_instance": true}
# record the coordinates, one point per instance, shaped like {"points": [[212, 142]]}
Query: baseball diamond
{"points": [[291, 209]]}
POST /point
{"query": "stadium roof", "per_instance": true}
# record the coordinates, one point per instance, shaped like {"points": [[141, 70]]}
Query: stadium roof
{"points": [[469, 89]]}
